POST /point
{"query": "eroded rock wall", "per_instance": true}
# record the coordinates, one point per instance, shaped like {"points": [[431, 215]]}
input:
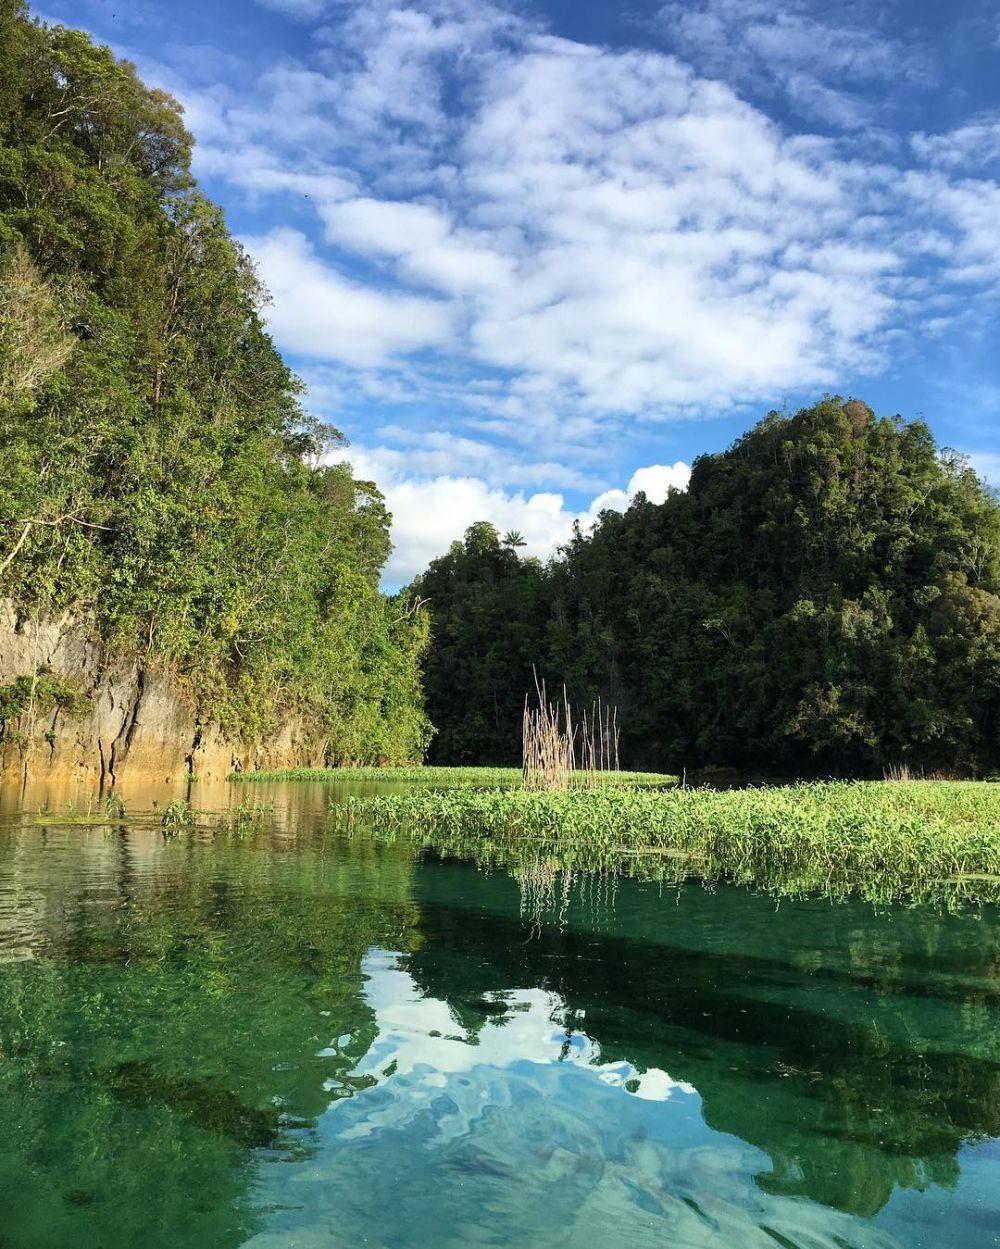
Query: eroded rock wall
{"points": [[133, 720]]}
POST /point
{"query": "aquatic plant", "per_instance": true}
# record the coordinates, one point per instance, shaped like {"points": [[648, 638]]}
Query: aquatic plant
{"points": [[247, 817], [177, 815], [558, 751], [547, 742], [483, 778], [114, 805], [915, 840]]}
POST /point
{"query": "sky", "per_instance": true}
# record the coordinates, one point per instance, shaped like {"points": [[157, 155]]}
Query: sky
{"points": [[533, 258]]}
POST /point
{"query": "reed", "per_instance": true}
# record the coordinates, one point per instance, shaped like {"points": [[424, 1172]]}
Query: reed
{"points": [[555, 746], [547, 735]]}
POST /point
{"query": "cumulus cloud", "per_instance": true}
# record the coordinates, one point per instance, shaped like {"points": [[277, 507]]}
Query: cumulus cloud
{"points": [[319, 312], [975, 145], [655, 481], [595, 231], [432, 511], [544, 245]]}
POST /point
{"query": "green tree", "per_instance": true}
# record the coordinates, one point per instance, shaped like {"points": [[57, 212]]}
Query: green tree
{"points": [[488, 613], [824, 597], [161, 480]]}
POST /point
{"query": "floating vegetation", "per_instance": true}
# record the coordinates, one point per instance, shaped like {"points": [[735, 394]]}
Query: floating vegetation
{"points": [[917, 841], [98, 812], [483, 778], [178, 816]]}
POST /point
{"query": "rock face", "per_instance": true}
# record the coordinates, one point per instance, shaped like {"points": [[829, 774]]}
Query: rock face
{"points": [[133, 721]]}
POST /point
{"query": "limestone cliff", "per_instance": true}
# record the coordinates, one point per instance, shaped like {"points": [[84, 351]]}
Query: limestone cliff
{"points": [[124, 719]]}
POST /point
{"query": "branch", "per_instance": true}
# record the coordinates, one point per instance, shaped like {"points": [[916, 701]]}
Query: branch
{"points": [[59, 520], [17, 546], [414, 606], [29, 524]]}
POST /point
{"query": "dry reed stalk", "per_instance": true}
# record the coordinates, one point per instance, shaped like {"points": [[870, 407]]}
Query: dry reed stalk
{"points": [[554, 747]]}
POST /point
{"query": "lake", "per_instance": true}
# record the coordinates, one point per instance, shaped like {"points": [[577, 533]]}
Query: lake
{"points": [[300, 1039]]}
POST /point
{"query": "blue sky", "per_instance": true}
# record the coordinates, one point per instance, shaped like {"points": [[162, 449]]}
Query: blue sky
{"points": [[533, 258]]}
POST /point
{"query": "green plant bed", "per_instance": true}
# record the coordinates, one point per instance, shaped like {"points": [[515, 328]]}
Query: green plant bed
{"points": [[483, 778], [918, 840]]}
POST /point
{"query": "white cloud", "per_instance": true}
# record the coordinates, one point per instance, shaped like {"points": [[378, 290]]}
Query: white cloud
{"points": [[319, 312], [431, 512], [963, 232], [655, 481], [429, 250], [545, 239], [819, 59], [604, 230], [439, 452], [975, 144]]}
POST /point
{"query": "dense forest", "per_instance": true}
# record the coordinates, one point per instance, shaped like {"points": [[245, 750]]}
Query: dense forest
{"points": [[160, 480], [824, 598]]}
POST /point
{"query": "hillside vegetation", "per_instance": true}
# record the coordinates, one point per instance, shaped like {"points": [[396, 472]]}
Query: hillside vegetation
{"points": [[825, 597], [159, 477]]}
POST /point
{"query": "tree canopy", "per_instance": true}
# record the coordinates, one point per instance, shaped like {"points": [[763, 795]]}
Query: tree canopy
{"points": [[160, 477], [825, 597]]}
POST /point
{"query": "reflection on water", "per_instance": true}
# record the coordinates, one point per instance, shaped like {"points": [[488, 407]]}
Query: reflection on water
{"points": [[297, 1039]]}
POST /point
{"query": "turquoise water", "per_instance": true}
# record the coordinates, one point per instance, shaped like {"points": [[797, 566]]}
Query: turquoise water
{"points": [[298, 1039]]}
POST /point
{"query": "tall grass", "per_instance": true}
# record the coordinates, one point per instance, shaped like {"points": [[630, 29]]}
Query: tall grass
{"points": [[903, 840], [547, 743], [558, 751]]}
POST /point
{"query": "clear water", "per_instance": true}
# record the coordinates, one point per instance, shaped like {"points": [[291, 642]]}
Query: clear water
{"points": [[302, 1040]]}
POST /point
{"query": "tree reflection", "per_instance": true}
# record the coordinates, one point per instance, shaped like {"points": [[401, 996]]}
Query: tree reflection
{"points": [[173, 1014], [859, 1051]]}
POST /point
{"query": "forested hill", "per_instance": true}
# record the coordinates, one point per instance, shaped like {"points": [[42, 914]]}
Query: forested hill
{"points": [[159, 478], [825, 597]]}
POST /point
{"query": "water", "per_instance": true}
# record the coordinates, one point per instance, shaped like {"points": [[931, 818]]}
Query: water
{"points": [[302, 1040]]}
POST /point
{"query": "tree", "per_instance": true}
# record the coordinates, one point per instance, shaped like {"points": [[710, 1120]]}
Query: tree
{"points": [[488, 613], [161, 482], [825, 597]]}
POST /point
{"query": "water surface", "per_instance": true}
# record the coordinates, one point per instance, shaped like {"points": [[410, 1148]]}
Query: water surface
{"points": [[302, 1039]]}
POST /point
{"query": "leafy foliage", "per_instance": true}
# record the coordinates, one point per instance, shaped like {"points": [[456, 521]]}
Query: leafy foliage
{"points": [[489, 612], [824, 597], [917, 840], [159, 474], [35, 696]]}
